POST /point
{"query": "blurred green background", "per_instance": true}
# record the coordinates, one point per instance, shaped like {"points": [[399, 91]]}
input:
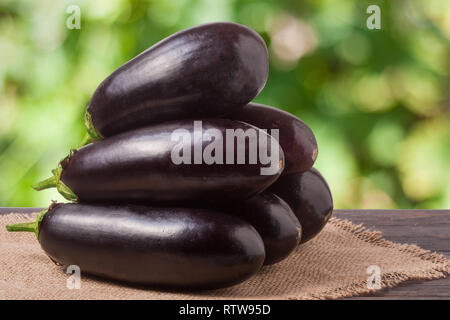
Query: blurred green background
{"points": [[377, 100]]}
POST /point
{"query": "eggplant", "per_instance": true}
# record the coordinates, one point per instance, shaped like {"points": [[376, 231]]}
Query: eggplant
{"points": [[166, 247], [275, 222], [309, 197], [174, 162], [295, 137], [205, 71]]}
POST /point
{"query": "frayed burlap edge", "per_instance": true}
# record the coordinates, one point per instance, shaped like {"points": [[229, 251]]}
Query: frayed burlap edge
{"points": [[388, 280]]}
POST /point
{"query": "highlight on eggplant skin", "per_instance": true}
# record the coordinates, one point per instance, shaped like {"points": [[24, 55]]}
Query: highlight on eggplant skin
{"points": [[295, 137], [138, 166], [204, 71], [164, 247], [274, 220], [309, 197]]}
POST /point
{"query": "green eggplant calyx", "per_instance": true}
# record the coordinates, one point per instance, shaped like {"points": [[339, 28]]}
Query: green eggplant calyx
{"points": [[29, 226], [90, 128], [87, 139], [55, 181]]}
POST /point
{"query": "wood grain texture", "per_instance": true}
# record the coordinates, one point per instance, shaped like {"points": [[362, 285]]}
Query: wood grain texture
{"points": [[428, 229]]}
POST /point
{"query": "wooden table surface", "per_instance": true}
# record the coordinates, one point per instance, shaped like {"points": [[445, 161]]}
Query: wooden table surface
{"points": [[429, 229]]}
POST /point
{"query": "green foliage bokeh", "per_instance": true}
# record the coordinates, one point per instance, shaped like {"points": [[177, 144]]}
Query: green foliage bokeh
{"points": [[377, 100]]}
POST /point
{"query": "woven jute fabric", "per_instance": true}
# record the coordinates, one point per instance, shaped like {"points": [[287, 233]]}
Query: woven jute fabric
{"points": [[333, 265]]}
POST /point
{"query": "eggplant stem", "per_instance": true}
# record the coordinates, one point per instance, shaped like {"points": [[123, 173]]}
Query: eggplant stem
{"points": [[28, 226], [55, 181], [90, 128], [91, 133], [87, 139], [46, 184]]}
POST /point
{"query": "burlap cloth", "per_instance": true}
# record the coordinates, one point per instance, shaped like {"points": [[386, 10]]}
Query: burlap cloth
{"points": [[333, 265]]}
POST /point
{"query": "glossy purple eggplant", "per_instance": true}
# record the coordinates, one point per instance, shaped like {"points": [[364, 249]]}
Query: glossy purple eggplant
{"points": [[204, 71], [178, 161], [295, 137], [309, 197], [275, 222], [168, 247]]}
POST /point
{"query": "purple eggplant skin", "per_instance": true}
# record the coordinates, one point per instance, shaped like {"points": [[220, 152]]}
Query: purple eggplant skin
{"points": [[166, 247], [309, 197], [137, 165], [295, 137], [205, 71], [275, 222]]}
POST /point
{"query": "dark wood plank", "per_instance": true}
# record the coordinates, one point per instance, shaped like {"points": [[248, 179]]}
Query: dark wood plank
{"points": [[19, 210], [429, 229]]}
